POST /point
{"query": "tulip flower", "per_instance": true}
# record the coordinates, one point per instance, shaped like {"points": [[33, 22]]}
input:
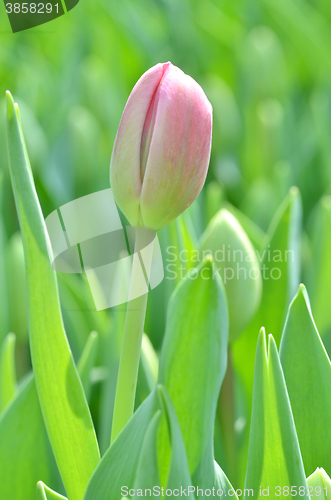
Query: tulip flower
{"points": [[162, 148]]}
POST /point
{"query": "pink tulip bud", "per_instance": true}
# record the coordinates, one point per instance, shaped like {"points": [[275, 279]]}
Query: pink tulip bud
{"points": [[162, 148]]}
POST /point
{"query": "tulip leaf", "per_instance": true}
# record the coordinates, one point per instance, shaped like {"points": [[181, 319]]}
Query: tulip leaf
{"points": [[193, 364], [25, 455], [221, 482], [182, 248], [147, 474], [320, 279], [65, 413], [45, 493], [187, 240], [23, 440], [16, 288], [118, 466], [307, 371], [7, 371], [87, 361], [3, 291], [274, 458], [148, 371], [282, 243], [179, 475], [282, 252]]}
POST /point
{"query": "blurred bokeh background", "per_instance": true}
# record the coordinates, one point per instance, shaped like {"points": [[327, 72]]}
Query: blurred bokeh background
{"points": [[265, 65]]}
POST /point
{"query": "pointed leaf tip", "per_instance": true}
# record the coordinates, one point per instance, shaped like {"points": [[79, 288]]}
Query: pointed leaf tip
{"points": [[10, 104], [262, 337], [301, 298], [294, 191]]}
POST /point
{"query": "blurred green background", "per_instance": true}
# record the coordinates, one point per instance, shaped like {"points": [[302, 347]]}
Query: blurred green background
{"points": [[265, 65]]}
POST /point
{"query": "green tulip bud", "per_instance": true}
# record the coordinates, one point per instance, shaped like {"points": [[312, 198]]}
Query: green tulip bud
{"points": [[238, 266], [319, 484]]}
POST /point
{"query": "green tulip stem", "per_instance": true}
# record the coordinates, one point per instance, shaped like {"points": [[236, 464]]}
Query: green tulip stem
{"points": [[131, 345]]}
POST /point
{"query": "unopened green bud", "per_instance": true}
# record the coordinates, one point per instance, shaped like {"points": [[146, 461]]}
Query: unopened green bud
{"points": [[238, 266], [319, 484]]}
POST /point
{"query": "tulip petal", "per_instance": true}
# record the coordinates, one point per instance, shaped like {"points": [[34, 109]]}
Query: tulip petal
{"points": [[179, 151], [125, 178]]}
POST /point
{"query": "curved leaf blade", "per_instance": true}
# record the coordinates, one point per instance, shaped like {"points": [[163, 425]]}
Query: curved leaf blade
{"points": [[25, 455], [307, 371], [192, 365], [274, 458], [87, 361], [7, 371], [66, 414], [147, 474], [118, 466]]}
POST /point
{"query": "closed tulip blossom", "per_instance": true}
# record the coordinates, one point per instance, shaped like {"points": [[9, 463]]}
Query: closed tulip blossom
{"points": [[162, 148]]}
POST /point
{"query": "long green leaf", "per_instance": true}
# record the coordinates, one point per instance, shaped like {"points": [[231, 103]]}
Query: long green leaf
{"points": [[25, 455], [320, 269], [274, 458], [16, 289], [7, 371], [147, 474], [118, 466], [193, 364], [3, 290], [65, 411], [307, 371], [148, 371], [283, 245], [21, 426], [222, 483], [87, 361]]}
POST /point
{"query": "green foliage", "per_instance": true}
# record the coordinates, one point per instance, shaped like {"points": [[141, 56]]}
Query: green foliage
{"points": [[307, 371], [274, 458], [25, 455], [265, 67], [118, 466], [281, 251], [87, 362], [3, 302], [7, 371], [319, 272], [66, 412], [282, 243], [193, 364]]}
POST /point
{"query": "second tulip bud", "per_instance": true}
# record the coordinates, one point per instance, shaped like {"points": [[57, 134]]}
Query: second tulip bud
{"points": [[162, 148]]}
